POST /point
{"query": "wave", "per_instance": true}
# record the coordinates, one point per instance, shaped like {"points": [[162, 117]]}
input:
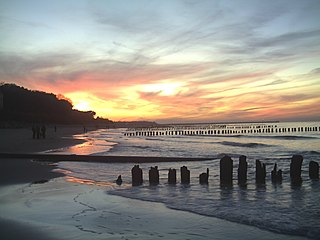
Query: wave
{"points": [[309, 153], [280, 218], [285, 137], [248, 145], [156, 139]]}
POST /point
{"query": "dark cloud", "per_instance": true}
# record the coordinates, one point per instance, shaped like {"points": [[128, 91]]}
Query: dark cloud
{"points": [[253, 109], [315, 71], [287, 38], [17, 66], [295, 97]]}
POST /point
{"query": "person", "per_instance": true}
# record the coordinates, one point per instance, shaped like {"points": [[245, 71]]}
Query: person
{"points": [[38, 131], [33, 131], [43, 131]]}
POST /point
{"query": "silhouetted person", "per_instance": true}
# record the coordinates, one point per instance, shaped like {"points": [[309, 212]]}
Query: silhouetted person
{"points": [[34, 131], [43, 131], [38, 131], [55, 128], [119, 180]]}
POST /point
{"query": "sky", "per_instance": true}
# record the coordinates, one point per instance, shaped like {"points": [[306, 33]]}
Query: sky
{"points": [[170, 60]]}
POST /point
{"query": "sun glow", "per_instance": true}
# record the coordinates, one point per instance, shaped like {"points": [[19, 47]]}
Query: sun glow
{"points": [[82, 105], [164, 89], [81, 101]]}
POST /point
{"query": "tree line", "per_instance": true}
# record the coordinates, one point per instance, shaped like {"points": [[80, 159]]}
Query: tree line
{"points": [[23, 105]]}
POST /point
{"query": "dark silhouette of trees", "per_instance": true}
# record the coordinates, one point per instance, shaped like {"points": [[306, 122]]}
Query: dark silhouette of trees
{"points": [[23, 105]]}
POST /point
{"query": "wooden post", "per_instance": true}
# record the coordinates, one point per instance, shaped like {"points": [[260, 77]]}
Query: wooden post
{"points": [[185, 175], [204, 177], [242, 170], [172, 176], [154, 175], [226, 168], [137, 178], [276, 175], [260, 172], [314, 170], [295, 169]]}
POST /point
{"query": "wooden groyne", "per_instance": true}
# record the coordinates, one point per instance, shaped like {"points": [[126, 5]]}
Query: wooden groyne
{"points": [[226, 173], [218, 129]]}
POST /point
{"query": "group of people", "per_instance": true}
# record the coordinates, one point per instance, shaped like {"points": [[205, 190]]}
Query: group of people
{"points": [[38, 132]]}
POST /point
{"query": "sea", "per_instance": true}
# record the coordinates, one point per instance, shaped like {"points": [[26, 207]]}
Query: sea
{"points": [[281, 208]]}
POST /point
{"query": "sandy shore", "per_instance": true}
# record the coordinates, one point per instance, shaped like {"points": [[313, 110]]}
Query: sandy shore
{"points": [[25, 171], [21, 141], [15, 141]]}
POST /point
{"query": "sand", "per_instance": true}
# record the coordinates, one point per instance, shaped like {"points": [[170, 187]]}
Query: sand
{"points": [[36, 203], [21, 141]]}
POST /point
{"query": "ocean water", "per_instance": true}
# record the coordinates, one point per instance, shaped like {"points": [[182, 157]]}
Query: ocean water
{"points": [[281, 208]]}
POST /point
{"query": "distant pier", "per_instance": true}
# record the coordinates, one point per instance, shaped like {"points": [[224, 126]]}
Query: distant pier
{"points": [[218, 129]]}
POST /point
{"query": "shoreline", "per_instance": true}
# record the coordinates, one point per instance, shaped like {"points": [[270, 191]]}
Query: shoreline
{"points": [[93, 158]]}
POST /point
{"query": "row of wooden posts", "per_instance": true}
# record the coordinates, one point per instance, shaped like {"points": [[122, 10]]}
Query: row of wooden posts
{"points": [[172, 132], [226, 172]]}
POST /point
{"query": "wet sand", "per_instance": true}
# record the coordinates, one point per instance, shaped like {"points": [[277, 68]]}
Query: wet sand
{"points": [[15, 171]]}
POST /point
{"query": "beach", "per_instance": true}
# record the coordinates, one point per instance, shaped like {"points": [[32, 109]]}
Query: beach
{"points": [[21, 140], [38, 202]]}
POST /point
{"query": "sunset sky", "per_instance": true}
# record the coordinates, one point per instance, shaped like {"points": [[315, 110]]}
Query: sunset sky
{"points": [[168, 60]]}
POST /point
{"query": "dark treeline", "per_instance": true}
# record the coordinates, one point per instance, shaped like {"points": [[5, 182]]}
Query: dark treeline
{"points": [[18, 104]]}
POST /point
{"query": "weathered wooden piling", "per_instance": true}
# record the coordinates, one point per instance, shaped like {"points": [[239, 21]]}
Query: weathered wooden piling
{"points": [[172, 176], [314, 170], [226, 168], [137, 178], [242, 170], [260, 172], [295, 169], [276, 175], [119, 180], [185, 175], [204, 177], [154, 175]]}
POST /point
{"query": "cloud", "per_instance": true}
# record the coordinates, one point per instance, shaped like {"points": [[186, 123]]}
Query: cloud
{"points": [[200, 59], [10, 21], [315, 71]]}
